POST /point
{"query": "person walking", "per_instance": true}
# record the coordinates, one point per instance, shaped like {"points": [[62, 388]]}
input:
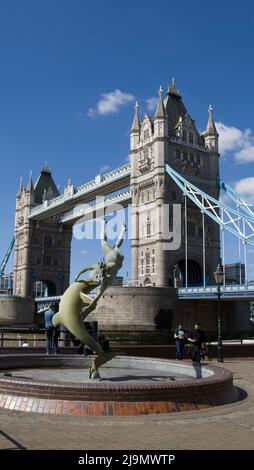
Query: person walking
{"points": [[197, 343]]}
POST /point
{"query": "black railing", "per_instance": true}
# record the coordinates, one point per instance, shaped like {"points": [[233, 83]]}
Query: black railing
{"points": [[35, 337]]}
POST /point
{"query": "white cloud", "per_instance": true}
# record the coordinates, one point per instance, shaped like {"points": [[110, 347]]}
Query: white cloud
{"points": [[151, 103], [84, 252], [104, 168], [110, 103], [246, 187], [239, 142], [245, 155]]}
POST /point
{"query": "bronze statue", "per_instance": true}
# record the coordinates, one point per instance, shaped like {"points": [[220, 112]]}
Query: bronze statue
{"points": [[76, 305]]}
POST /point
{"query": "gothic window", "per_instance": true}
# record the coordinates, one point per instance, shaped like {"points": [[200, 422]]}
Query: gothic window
{"points": [[143, 198], [184, 136], [154, 194], [153, 252], [148, 226], [142, 253], [153, 264], [146, 134], [147, 263], [148, 196], [48, 241], [198, 159], [191, 138], [178, 154], [146, 153], [191, 157], [47, 260], [185, 156], [191, 229]]}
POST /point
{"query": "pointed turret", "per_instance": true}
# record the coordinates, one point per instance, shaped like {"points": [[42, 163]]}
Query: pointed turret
{"points": [[160, 118], [44, 183], [20, 187], [211, 128], [136, 122], [30, 186], [211, 135], [160, 112], [135, 128]]}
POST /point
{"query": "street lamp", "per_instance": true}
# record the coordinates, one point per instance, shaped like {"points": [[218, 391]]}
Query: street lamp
{"points": [[218, 275]]}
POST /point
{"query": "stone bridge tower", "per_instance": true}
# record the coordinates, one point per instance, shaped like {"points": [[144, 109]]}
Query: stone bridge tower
{"points": [[171, 136], [42, 249]]}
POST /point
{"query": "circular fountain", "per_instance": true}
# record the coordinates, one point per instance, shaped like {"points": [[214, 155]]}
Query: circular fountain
{"points": [[128, 385]]}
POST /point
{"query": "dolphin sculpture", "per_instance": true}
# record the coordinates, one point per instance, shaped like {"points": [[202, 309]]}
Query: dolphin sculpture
{"points": [[76, 304]]}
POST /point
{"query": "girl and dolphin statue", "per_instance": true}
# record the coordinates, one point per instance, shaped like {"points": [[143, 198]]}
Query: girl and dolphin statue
{"points": [[76, 304]]}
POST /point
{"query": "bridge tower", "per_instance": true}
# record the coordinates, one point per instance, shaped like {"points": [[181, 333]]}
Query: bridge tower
{"points": [[171, 136], [42, 249]]}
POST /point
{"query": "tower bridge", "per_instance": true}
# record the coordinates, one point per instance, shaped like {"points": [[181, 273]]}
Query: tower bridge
{"points": [[171, 163]]}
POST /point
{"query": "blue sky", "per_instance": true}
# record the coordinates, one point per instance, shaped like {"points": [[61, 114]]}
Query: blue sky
{"points": [[58, 57]]}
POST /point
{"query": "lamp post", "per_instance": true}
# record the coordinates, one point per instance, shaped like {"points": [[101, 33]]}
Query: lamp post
{"points": [[218, 275]]}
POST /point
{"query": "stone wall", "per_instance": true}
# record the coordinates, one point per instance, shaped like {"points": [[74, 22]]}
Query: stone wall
{"points": [[155, 308], [16, 311], [136, 308]]}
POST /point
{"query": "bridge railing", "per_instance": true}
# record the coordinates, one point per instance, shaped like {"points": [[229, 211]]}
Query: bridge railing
{"points": [[13, 338], [100, 180], [83, 211], [231, 290]]}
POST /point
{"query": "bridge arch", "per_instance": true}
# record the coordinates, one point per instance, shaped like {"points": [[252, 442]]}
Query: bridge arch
{"points": [[44, 288], [194, 272]]}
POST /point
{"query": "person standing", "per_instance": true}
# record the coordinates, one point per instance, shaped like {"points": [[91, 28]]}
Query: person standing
{"points": [[197, 343], [180, 336], [51, 331]]}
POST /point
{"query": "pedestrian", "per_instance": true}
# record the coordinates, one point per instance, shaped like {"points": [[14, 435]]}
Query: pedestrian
{"points": [[180, 337], [197, 343], [51, 331]]}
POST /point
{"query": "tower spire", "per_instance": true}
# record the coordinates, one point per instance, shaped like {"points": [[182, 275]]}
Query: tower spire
{"points": [[160, 109], [172, 88], [211, 128], [20, 187], [136, 122], [30, 186]]}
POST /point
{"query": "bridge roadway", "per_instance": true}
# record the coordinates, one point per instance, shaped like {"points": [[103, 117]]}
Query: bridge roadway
{"points": [[101, 185]]}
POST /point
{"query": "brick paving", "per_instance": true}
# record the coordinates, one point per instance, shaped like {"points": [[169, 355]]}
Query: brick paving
{"points": [[223, 427]]}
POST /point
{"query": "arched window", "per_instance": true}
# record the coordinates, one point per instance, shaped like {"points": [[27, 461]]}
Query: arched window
{"points": [[48, 241], [148, 224]]}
